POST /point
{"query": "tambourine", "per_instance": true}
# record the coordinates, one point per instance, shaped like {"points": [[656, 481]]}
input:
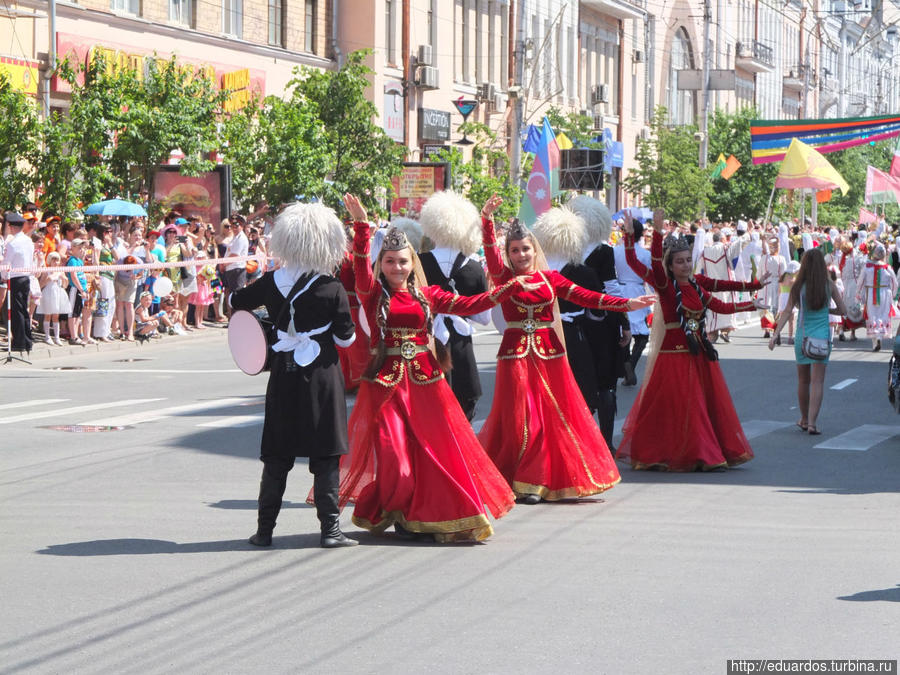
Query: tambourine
{"points": [[248, 341]]}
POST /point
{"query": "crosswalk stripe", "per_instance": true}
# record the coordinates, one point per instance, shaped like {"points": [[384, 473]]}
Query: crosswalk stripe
{"points": [[32, 403], [843, 383], [160, 413], [57, 412], [755, 428], [234, 421], [861, 438]]}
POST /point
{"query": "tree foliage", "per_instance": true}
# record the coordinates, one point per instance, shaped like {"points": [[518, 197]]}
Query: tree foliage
{"points": [[746, 194], [19, 134], [319, 140], [486, 172], [667, 173]]}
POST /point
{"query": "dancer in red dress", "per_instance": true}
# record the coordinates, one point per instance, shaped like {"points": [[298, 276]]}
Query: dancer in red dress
{"points": [[354, 358], [702, 431], [540, 432], [414, 460]]}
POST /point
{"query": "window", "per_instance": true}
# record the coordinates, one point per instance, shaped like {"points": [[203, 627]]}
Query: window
{"points": [[127, 6], [276, 23], [681, 102], [432, 27], [181, 11], [233, 17], [390, 31], [309, 26]]}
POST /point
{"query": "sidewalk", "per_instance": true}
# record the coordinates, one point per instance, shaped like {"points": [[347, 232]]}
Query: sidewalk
{"points": [[42, 351]]}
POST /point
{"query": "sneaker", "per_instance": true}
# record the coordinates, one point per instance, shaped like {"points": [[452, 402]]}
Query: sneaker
{"points": [[49, 341], [59, 343], [171, 331], [179, 330]]}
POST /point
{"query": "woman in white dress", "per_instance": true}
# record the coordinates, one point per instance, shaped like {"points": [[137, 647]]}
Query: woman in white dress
{"points": [[876, 286], [54, 300]]}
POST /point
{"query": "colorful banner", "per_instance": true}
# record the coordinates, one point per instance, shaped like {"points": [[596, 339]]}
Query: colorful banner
{"points": [[895, 160], [769, 139], [719, 166], [804, 167], [543, 182], [731, 166], [866, 216]]}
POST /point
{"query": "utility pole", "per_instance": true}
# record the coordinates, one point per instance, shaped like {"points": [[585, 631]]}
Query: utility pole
{"points": [[518, 101], [704, 118], [404, 45]]}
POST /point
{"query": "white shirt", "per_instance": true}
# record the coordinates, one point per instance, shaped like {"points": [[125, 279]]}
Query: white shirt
{"points": [[19, 253], [445, 257], [239, 246]]}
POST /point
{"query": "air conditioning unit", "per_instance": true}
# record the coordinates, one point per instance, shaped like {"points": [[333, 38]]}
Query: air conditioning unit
{"points": [[599, 94], [584, 112], [645, 133], [486, 91], [425, 56], [498, 103], [639, 56], [427, 77], [598, 123]]}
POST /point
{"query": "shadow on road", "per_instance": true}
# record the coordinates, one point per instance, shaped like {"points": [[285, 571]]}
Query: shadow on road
{"points": [[154, 546], [250, 504], [886, 595]]}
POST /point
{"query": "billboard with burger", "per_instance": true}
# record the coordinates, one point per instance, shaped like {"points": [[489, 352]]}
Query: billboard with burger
{"points": [[207, 196]]}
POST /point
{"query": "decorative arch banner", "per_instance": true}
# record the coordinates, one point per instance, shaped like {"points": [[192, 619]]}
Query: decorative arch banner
{"points": [[770, 139]]}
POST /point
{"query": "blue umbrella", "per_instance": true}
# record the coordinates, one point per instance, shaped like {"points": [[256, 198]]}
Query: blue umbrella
{"points": [[115, 207], [639, 213]]}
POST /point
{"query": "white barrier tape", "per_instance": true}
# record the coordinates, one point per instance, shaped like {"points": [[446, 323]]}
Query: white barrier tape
{"points": [[261, 259]]}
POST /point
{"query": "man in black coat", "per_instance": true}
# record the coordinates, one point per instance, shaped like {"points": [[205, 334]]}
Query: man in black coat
{"points": [[306, 412]]}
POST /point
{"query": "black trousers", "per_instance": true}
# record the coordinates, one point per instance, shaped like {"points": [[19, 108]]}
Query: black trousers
{"points": [[20, 323], [279, 467]]}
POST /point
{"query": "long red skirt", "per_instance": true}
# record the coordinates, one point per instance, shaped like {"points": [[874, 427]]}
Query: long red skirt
{"points": [[415, 460], [683, 419], [541, 434]]}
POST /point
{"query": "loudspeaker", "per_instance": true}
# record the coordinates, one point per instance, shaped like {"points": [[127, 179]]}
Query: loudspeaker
{"points": [[581, 169]]}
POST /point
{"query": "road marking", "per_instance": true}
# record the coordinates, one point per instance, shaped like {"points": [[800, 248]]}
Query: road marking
{"points": [[75, 409], [234, 421], [33, 402], [861, 438], [144, 370], [755, 428], [172, 411], [843, 383]]}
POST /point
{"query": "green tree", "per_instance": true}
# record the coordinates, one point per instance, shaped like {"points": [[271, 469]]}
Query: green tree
{"points": [[667, 173], [746, 194], [120, 126], [319, 140], [852, 164], [486, 172], [577, 127], [19, 142]]}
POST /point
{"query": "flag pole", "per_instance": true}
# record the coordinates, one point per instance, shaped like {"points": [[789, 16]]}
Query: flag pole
{"points": [[769, 207]]}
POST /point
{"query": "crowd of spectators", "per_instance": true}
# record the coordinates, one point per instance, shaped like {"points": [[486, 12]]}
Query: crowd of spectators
{"points": [[80, 308]]}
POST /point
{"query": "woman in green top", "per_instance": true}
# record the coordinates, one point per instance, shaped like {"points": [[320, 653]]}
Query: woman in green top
{"points": [[810, 294]]}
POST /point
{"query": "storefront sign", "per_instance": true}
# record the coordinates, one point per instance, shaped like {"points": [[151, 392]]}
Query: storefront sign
{"points": [[22, 75], [238, 82], [434, 125], [392, 117], [431, 152]]}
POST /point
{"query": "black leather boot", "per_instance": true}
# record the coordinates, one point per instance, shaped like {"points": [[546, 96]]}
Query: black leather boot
{"points": [[325, 492], [271, 491], [606, 415]]}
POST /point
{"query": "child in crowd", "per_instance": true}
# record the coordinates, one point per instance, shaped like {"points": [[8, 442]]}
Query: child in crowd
{"points": [[77, 290], [785, 281], [202, 298], [145, 322], [54, 300]]}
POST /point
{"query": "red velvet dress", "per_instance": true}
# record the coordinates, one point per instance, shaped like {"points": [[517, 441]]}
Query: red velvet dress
{"points": [[414, 458], [354, 358], [683, 418], [540, 432]]}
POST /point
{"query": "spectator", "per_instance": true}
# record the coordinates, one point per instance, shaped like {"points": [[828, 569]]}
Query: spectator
{"points": [[19, 253], [236, 272], [77, 290], [54, 300]]}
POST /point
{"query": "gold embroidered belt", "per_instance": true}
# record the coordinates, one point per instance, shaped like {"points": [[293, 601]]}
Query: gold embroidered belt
{"points": [[529, 325], [408, 350]]}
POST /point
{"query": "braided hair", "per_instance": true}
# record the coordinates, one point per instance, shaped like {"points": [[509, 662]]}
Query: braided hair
{"points": [[696, 339]]}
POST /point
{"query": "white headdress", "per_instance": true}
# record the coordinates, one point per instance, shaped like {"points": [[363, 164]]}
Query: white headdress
{"points": [[562, 234], [310, 237], [412, 229], [451, 221], [597, 218]]}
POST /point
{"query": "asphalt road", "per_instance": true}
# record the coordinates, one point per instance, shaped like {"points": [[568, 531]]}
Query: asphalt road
{"points": [[124, 551]]}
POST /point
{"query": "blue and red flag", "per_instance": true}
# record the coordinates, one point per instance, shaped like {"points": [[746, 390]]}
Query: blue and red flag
{"points": [[543, 181]]}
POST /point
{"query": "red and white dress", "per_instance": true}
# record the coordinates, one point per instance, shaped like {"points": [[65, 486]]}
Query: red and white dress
{"points": [[683, 418], [354, 358], [414, 459], [540, 432]]}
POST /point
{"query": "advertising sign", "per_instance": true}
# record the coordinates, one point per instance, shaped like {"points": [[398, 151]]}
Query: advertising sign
{"points": [[434, 125], [22, 75], [393, 110], [207, 195], [415, 184]]}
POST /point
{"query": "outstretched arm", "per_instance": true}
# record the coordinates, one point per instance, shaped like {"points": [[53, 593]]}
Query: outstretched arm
{"points": [[444, 302], [656, 276], [584, 297], [716, 285], [498, 271], [362, 267]]}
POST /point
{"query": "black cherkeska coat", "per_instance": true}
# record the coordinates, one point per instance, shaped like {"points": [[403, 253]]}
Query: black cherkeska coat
{"points": [[468, 279], [306, 412], [604, 329]]}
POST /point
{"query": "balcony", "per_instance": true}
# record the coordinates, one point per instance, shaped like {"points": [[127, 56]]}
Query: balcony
{"points": [[620, 9], [797, 78], [753, 56]]}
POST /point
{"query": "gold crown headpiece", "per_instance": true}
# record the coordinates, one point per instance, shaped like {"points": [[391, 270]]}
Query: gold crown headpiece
{"points": [[394, 240]]}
